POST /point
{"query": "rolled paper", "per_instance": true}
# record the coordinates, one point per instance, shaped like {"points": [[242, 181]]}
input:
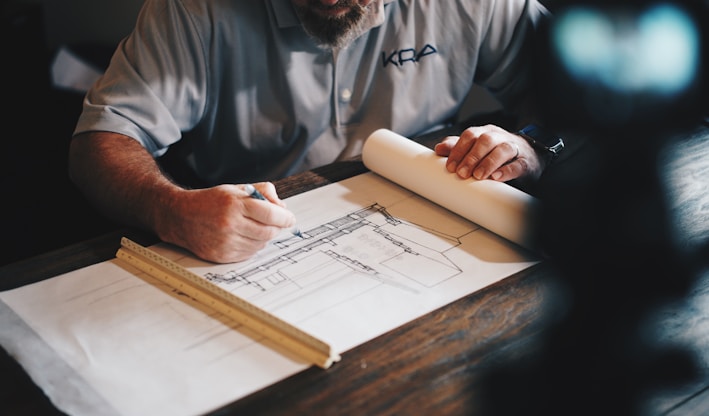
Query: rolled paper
{"points": [[496, 206]]}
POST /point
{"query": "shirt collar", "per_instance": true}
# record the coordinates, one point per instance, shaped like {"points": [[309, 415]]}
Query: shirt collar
{"points": [[286, 17]]}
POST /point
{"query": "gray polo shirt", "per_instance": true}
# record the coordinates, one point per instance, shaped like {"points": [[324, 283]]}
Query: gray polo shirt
{"points": [[252, 97]]}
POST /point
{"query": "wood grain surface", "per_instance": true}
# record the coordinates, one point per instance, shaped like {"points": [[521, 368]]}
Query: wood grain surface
{"points": [[455, 360]]}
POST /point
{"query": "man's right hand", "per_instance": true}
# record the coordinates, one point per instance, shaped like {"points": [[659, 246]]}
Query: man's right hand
{"points": [[224, 223], [221, 224]]}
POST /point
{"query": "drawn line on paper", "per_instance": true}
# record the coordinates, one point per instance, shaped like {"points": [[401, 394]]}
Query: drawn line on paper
{"points": [[363, 248]]}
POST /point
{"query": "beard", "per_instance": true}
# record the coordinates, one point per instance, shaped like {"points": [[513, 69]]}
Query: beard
{"points": [[332, 32]]}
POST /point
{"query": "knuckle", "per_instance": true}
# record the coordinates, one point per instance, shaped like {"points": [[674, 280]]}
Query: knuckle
{"points": [[486, 139], [470, 160]]}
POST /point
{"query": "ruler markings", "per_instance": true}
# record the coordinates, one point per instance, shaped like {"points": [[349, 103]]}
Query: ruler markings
{"points": [[264, 323]]}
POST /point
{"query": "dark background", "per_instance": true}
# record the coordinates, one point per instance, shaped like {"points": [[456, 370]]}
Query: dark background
{"points": [[41, 209]]}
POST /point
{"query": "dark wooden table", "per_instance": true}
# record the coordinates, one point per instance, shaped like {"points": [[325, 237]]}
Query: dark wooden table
{"points": [[491, 352]]}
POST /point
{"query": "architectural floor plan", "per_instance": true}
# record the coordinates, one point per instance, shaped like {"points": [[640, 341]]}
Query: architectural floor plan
{"points": [[369, 245], [107, 339]]}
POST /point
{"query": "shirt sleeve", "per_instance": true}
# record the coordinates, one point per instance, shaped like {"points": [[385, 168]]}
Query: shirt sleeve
{"points": [[506, 65], [154, 86]]}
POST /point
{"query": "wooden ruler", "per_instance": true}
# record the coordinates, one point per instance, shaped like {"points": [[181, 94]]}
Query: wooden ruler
{"points": [[251, 316]]}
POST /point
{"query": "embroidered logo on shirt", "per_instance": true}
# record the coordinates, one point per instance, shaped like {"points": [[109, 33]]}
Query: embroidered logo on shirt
{"points": [[404, 56]]}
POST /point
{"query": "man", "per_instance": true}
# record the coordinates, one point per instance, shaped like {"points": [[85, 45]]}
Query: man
{"points": [[258, 90]]}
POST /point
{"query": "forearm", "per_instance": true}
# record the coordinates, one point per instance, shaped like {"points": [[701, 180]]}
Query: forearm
{"points": [[120, 178]]}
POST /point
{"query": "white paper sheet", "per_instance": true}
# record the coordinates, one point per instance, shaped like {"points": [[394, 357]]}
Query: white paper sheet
{"points": [[375, 256]]}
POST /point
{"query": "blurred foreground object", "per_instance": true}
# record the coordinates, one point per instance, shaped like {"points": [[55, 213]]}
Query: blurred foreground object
{"points": [[613, 65], [632, 79]]}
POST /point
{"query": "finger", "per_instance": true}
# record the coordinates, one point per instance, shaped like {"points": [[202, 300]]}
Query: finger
{"points": [[235, 241], [499, 156], [460, 156], [443, 148], [268, 190], [509, 171], [483, 143], [268, 214]]}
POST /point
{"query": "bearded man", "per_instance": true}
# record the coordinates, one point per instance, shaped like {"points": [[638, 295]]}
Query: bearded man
{"points": [[246, 91]]}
